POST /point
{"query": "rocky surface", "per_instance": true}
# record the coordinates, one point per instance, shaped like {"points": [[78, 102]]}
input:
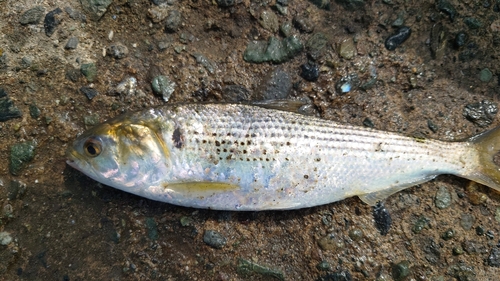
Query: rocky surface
{"points": [[68, 65]]}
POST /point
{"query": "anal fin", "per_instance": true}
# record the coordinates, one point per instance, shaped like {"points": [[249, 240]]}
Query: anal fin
{"points": [[373, 198]]}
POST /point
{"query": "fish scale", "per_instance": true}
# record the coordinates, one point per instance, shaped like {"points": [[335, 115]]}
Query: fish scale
{"points": [[243, 157]]}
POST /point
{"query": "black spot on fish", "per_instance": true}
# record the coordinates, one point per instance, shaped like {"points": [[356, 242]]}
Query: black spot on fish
{"points": [[382, 218], [178, 138]]}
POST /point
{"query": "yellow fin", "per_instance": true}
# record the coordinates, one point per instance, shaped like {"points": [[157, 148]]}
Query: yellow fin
{"points": [[201, 188], [487, 146]]}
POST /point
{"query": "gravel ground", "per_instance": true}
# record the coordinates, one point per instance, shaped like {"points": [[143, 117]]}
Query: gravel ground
{"points": [[424, 68]]}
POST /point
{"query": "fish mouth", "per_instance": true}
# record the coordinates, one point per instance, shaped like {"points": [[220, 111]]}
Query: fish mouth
{"points": [[72, 157]]}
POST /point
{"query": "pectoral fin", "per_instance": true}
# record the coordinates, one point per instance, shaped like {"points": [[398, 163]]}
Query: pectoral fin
{"points": [[374, 197]]}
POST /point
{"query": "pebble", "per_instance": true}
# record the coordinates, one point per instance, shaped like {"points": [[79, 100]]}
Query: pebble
{"points": [[34, 111], [304, 24], [274, 50], [401, 270], [286, 28], [201, 59], [447, 8], [95, 8], [458, 250], [26, 61], [5, 238], [481, 113], [269, 21], [442, 198], [158, 2], [316, 44], [473, 23], [89, 70], [91, 120], [467, 220], [245, 267], [324, 266], [214, 239], [396, 39], [494, 257], [322, 4], [479, 230], [383, 220], [7, 108], [421, 223], [356, 234], [72, 43], [347, 83], [163, 86], [51, 21], [127, 87], [152, 229], [117, 51], [20, 154], [485, 75], [235, 93], [438, 41], [463, 272], [309, 71], [276, 85], [352, 4], [32, 16], [173, 21], [460, 39], [89, 92], [448, 234], [330, 243], [16, 189], [347, 49], [225, 3]]}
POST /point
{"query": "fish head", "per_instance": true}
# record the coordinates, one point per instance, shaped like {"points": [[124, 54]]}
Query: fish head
{"points": [[121, 154]]}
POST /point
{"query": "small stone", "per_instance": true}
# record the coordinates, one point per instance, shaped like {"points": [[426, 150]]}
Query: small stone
{"points": [[473, 247], [247, 268], [316, 44], [434, 128], [117, 51], [89, 70], [16, 189], [463, 272], [269, 21], [383, 220], [479, 230], [51, 21], [401, 270], [494, 257], [273, 50], [485, 75], [91, 120], [173, 21], [32, 16], [396, 39], [7, 108], [322, 4], [421, 223], [481, 113], [447, 8], [72, 43], [347, 49], [303, 24], [95, 8], [89, 92], [26, 62], [438, 41], [163, 86], [473, 23], [351, 5], [225, 3], [5, 238], [209, 65], [330, 243], [235, 93], [186, 221], [275, 86], [356, 234], [20, 155], [286, 28], [448, 234], [324, 266], [467, 220], [309, 71], [442, 198], [460, 39], [152, 229], [126, 87], [458, 250], [214, 239], [34, 111]]}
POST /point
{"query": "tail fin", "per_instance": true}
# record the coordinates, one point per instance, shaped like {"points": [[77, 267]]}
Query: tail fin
{"points": [[487, 145]]}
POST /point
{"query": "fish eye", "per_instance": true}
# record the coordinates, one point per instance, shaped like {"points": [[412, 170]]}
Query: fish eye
{"points": [[92, 147]]}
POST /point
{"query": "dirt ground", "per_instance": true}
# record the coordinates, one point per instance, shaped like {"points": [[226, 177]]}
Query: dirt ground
{"points": [[57, 224]]}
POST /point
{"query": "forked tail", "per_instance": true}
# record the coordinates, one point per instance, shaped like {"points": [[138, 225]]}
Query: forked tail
{"points": [[487, 146]]}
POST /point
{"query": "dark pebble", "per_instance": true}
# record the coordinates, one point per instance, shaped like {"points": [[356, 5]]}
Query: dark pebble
{"points": [[351, 4], [16, 190], [117, 51], [34, 111], [393, 41], [481, 113], [73, 74], [447, 8], [72, 43], [401, 270], [235, 93], [32, 16], [7, 108], [309, 71], [95, 8], [90, 93], [214, 239], [276, 85], [434, 128], [460, 39], [448, 234], [303, 24], [173, 21], [494, 257], [474, 247], [225, 3], [20, 155], [473, 23], [51, 21], [158, 2], [421, 223], [367, 122], [322, 4], [479, 230], [343, 275], [431, 250], [382, 218]]}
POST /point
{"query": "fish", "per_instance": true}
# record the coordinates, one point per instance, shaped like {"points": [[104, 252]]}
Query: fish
{"points": [[244, 157]]}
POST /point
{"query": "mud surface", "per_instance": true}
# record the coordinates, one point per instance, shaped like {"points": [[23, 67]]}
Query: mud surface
{"points": [[57, 224]]}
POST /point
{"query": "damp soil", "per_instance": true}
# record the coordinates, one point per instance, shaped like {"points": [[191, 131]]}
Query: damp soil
{"points": [[65, 226]]}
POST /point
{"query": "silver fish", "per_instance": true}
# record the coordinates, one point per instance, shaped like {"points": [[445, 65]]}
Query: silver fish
{"points": [[242, 157]]}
